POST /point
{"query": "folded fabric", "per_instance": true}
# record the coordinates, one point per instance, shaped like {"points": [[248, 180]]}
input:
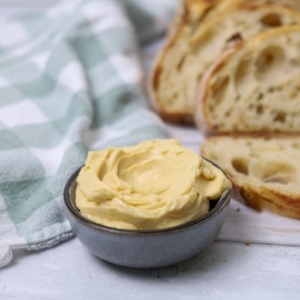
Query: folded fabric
{"points": [[70, 81]]}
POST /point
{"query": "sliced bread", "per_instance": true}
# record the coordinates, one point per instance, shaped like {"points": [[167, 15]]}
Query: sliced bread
{"points": [[265, 171], [183, 61], [254, 86]]}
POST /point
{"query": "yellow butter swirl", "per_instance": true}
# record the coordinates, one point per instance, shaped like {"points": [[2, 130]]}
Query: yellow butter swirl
{"points": [[155, 184]]}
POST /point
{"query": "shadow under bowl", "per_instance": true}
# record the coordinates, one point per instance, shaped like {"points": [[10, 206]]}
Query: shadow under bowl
{"points": [[146, 248]]}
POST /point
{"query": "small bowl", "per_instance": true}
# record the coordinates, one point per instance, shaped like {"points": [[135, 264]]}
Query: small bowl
{"points": [[146, 248]]}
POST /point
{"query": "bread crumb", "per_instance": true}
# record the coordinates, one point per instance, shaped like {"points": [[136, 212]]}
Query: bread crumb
{"points": [[247, 244]]}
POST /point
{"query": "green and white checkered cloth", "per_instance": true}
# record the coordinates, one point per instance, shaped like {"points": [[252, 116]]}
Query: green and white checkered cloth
{"points": [[70, 81]]}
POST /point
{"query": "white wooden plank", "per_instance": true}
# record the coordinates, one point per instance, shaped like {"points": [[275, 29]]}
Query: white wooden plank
{"points": [[247, 225], [223, 271]]}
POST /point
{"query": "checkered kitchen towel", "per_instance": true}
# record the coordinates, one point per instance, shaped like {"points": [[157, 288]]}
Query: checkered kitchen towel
{"points": [[69, 82]]}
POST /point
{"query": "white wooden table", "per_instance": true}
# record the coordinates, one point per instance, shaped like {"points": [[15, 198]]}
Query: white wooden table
{"points": [[256, 256]]}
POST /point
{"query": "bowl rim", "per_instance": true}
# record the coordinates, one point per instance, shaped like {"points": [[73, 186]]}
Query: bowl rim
{"points": [[222, 202]]}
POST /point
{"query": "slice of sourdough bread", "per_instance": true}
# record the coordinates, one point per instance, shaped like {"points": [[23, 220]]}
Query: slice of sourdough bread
{"points": [[265, 172], [183, 61], [254, 86], [191, 14]]}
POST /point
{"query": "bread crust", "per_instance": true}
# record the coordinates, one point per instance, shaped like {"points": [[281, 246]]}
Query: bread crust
{"points": [[278, 203]]}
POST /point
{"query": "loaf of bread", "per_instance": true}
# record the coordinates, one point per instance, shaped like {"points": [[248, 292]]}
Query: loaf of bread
{"points": [[265, 171], [233, 66], [201, 35], [254, 87]]}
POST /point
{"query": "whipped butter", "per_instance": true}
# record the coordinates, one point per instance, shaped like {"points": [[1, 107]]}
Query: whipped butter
{"points": [[155, 184]]}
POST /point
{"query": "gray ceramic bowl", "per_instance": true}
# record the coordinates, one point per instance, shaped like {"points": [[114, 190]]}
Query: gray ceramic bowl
{"points": [[146, 248]]}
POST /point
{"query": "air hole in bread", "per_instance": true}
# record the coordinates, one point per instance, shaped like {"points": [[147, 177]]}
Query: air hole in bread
{"points": [[277, 178], [270, 66], [242, 73], [293, 94], [274, 172], [270, 58], [280, 117], [260, 96], [181, 62], [259, 109], [296, 145], [271, 20], [219, 89], [211, 107], [240, 165]]}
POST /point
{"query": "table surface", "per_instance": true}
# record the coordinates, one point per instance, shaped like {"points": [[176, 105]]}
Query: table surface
{"points": [[256, 256]]}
